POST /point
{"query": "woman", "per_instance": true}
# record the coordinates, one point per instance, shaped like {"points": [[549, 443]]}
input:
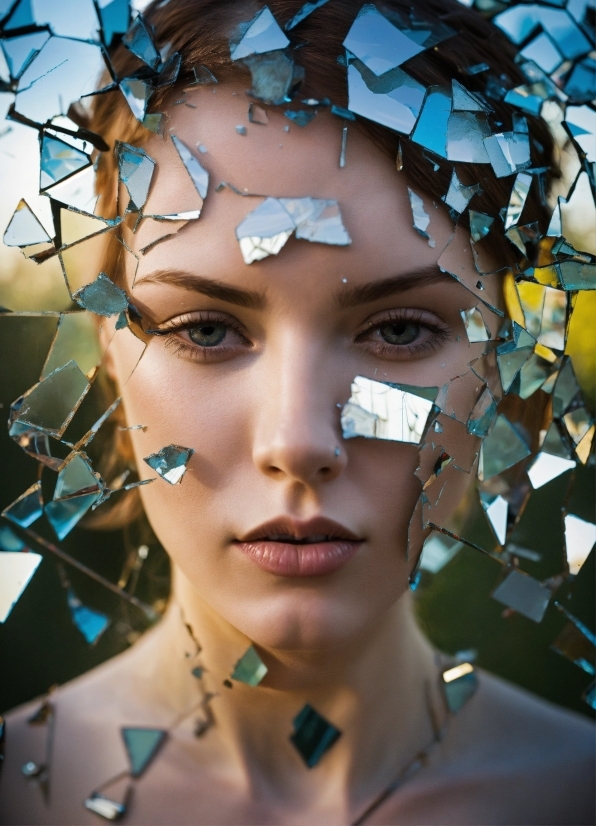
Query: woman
{"points": [[318, 398]]}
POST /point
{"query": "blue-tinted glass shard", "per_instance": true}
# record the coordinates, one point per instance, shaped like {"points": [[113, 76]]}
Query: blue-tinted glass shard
{"points": [[459, 196], [431, 129], [135, 169], [137, 94], [464, 101], [476, 329], [317, 220], [115, 18], [420, 217], [519, 22], [170, 462], [51, 404], [59, 160], [301, 117], [102, 296], [198, 174], [525, 99], [250, 668], [300, 15], [480, 225], [76, 478], [581, 84], [25, 510], [16, 569], [262, 34], [379, 44], [564, 31], [466, 133], [141, 746], [90, 623], [508, 152], [342, 112], [393, 101], [203, 77], [138, 39], [273, 75], [24, 228], [169, 71], [313, 735], [502, 448], [64, 514], [483, 415], [9, 541], [524, 594], [459, 684], [20, 51], [21, 16], [543, 52], [269, 219]]}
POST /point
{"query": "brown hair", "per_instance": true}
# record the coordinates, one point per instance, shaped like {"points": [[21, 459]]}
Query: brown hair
{"points": [[200, 31]]}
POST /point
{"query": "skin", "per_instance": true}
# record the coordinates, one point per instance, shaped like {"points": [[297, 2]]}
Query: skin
{"points": [[263, 419]]}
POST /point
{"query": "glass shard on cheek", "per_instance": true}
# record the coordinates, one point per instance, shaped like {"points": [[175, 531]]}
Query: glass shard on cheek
{"points": [[170, 462], [250, 668]]}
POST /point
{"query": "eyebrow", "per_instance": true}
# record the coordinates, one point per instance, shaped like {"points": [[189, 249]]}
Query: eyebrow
{"points": [[367, 293], [206, 286]]}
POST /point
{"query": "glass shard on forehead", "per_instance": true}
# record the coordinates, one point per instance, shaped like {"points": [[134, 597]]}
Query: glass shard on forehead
{"points": [[379, 44], [394, 102], [135, 170], [376, 410], [508, 152], [317, 220], [51, 404], [301, 117], [25, 510], [432, 126], [421, 218], [90, 623], [517, 199], [24, 228], [273, 76], [465, 101], [580, 537], [262, 34], [459, 196], [102, 297], [524, 594], [466, 133], [198, 174], [16, 570], [501, 449], [139, 41], [313, 735], [141, 746], [302, 13], [250, 668], [268, 221], [59, 160], [170, 462]]}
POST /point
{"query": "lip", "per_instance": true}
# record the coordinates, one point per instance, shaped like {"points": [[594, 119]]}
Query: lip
{"points": [[282, 546]]}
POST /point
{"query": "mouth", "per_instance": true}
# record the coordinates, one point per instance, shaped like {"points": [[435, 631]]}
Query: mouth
{"points": [[288, 547]]}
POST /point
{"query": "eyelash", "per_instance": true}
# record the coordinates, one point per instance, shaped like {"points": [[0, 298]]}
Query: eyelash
{"points": [[172, 330]]}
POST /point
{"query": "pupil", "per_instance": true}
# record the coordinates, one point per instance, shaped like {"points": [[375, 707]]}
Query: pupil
{"points": [[207, 335], [400, 332]]}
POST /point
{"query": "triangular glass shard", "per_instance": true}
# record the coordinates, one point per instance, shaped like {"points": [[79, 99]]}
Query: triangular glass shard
{"points": [[511, 363], [302, 13], [313, 735], [90, 623], [22, 15], [139, 41], [466, 134], [102, 297], [547, 467], [137, 93], [578, 422], [502, 449], [480, 225], [199, 175], [483, 414], [27, 508], [524, 594], [496, 509], [580, 537], [59, 160], [420, 217], [64, 514], [262, 34], [566, 388], [76, 478], [508, 152], [16, 569], [51, 404], [264, 231], [76, 227], [135, 169], [459, 684], [517, 199], [394, 104], [431, 127], [20, 51], [576, 646], [78, 191], [476, 329], [141, 746], [9, 541], [438, 550], [379, 44], [317, 220], [24, 228], [170, 462], [464, 101], [256, 114], [103, 806], [459, 196], [250, 668], [115, 18], [75, 340]]}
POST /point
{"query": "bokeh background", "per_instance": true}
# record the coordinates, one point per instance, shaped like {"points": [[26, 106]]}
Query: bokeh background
{"points": [[39, 645]]}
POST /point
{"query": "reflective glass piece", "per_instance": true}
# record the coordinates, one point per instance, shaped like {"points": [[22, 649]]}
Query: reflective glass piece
{"points": [[273, 76], [31, 769], [524, 594], [476, 329], [480, 225], [317, 220], [483, 415], [465, 101], [19, 51], [241, 130], [24, 228], [103, 806], [377, 410], [16, 569], [203, 77], [438, 550], [581, 123], [78, 190], [459, 196], [59, 160], [64, 514], [135, 169], [517, 199], [501, 449], [137, 94], [420, 217], [250, 668], [566, 388], [264, 231], [75, 478], [313, 735], [90, 623], [395, 103], [379, 44], [543, 52], [580, 537], [302, 13], [51, 404], [139, 41], [496, 509], [141, 746], [21, 15], [102, 297], [9, 541], [508, 152], [552, 460], [459, 684], [576, 646], [115, 18], [170, 462], [256, 114], [466, 133], [75, 226], [25, 510], [198, 174], [301, 117], [262, 34], [432, 126]]}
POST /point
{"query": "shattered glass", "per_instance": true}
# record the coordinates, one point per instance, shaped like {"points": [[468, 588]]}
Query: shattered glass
{"points": [[90, 623], [476, 329], [302, 13], [459, 196], [139, 41], [250, 668], [501, 449], [432, 126], [459, 684], [524, 594], [508, 153], [170, 462], [552, 460], [16, 570], [51, 404], [262, 34], [379, 44], [421, 218], [517, 199], [313, 735], [105, 807], [59, 160], [142, 745], [580, 537], [198, 174], [393, 100], [301, 117], [467, 133], [480, 225], [102, 297], [135, 169]]}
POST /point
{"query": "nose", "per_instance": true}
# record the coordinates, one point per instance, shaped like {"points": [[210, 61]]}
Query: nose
{"points": [[297, 436]]}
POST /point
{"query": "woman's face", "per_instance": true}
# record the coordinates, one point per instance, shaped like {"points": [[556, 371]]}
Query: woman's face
{"points": [[259, 360]]}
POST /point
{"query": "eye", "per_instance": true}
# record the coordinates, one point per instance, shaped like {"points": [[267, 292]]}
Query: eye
{"points": [[204, 336], [404, 334], [208, 334], [400, 332]]}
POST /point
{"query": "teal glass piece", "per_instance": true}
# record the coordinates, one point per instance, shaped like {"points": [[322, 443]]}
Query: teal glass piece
{"points": [[135, 169], [465, 101], [566, 388], [581, 84], [302, 13], [22, 15], [139, 41], [480, 225], [466, 133], [170, 462], [90, 623], [379, 44], [431, 128], [64, 514], [517, 199], [564, 32], [501, 449], [313, 735], [25, 510], [250, 668], [510, 364], [59, 160], [102, 297], [16, 570], [459, 684], [9, 541], [483, 415], [589, 695], [342, 112], [273, 76], [141, 746], [115, 18], [525, 99], [51, 404], [24, 228], [301, 117], [262, 34], [76, 478], [524, 594], [508, 152], [575, 275], [393, 100], [121, 321], [137, 94], [543, 52], [459, 196], [20, 51], [198, 174]]}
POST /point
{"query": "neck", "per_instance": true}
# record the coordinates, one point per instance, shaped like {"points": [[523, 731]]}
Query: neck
{"points": [[380, 691]]}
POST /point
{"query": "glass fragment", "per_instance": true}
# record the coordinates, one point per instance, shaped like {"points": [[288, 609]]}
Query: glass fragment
{"points": [[483, 415], [313, 735], [64, 514], [432, 125], [524, 594], [16, 570], [302, 13], [501, 449], [264, 231], [301, 117], [105, 807], [250, 668], [115, 18], [90, 623], [102, 297], [139, 41], [135, 169], [480, 225], [25, 510], [508, 152], [465, 101], [459, 196], [9, 541], [476, 329], [576, 646], [262, 34], [317, 220], [256, 114], [203, 77], [395, 104], [466, 135], [141, 746], [77, 191], [51, 404], [459, 684], [273, 76], [137, 94], [59, 160], [24, 228], [581, 124], [379, 44], [517, 199], [496, 509], [438, 550], [170, 462], [421, 218], [543, 52], [580, 537], [19, 51], [344, 141], [566, 388], [198, 174]]}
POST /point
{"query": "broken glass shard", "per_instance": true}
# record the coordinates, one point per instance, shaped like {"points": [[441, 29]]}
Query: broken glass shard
{"points": [[431, 128], [135, 169], [576, 646], [90, 623], [376, 410], [24, 228], [301, 117], [517, 199], [59, 160], [137, 94], [199, 175], [395, 105], [256, 114], [302, 13], [496, 509], [19, 51], [141, 746], [438, 550], [524, 594], [317, 220], [379, 44], [421, 218], [483, 415], [16, 569], [459, 684], [264, 231], [466, 133], [115, 18], [552, 460], [9, 541], [273, 76], [105, 807], [344, 141], [580, 537], [250, 668], [508, 152], [581, 123], [566, 388], [102, 297], [459, 196], [139, 41], [51, 404], [64, 514], [77, 191], [578, 422], [76, 227], [25, 510], [543, 52], [76, 478], [465, 101], [476, 329], [170, 462], [501, 449], [313, 735], [262, 34], [480, 225]]}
